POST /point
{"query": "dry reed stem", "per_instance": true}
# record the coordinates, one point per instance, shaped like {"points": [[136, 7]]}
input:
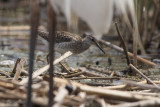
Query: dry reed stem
{"points": [[139, 72], [45, 68], [103, 78], [74, 74], [15, 66], [59, 99], [135, 36], [19, 69], [143, 103], [129, 53], [103, 92], [20, 95], [120, 87], [143, 86], [66, 69], [123, 44], [88, 73], [101, 71]]}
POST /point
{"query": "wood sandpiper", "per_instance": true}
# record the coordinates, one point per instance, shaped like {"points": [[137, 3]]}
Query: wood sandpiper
{"points": [[65, 41]]}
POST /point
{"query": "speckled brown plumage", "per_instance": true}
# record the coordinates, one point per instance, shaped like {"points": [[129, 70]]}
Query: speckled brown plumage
{"points": [[65, 41], [61, 36]]}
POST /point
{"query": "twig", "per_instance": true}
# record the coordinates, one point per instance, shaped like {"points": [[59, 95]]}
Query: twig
{"points": [[145, 77], [88, 73], [112, 74], [14, 83], [7, 85], [7, 96], [66, 69], [103, 92], [19, 69], [129, 53], [16, 94], [74, 74], [143, 103], [62, 93], [96, 84], [154, 94], [143, 86], [83, 71], [3, 73], [121, 87], [92, 74], [24, 72], [15, 66], [101, 71], [103, 78], [45, 68], [123, 44]]}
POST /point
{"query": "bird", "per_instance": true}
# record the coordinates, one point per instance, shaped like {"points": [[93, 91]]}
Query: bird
{"points": [[66, 41]]}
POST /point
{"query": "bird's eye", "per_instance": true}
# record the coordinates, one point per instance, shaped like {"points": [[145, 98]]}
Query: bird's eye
{"points": [[92, 39]]}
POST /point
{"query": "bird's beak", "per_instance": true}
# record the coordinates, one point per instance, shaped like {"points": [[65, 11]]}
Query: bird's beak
{"points": [[97, 44]]}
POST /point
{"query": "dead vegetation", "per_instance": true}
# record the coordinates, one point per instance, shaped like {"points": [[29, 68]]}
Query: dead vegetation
{"points": [[86, 86]]}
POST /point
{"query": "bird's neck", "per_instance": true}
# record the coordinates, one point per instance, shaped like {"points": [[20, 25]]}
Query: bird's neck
{"points": [[86, 43]]}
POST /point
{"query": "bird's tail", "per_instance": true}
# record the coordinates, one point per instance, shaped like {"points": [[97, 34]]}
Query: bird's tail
{"points": [[44, 35]]}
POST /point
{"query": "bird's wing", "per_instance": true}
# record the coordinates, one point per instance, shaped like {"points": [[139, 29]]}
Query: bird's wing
{"points": [[44, 35], [61, 36]]}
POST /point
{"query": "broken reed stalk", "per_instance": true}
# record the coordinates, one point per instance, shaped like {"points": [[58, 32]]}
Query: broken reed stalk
{"points": [[143, 86], [15, 66], [82, 71], [154, 94], [129, 53], [8, 85], [19, 69], [103, 78], [45, 68], [121, 87], [6, 81], [66, 69], [103, 92], [52, 28], [74, 74], [123, 44], [59, 99], [77, 87], [101, 71], [143, 103], [33, 36], [95, 84], [19, 95], [88, 73], [145, 77]]}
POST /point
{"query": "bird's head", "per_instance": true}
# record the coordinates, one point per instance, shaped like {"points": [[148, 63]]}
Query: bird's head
{"points": [[92, 40]]}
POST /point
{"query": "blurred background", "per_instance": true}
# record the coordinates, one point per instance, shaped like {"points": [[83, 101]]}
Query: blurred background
{"points": [[138, 21]]}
